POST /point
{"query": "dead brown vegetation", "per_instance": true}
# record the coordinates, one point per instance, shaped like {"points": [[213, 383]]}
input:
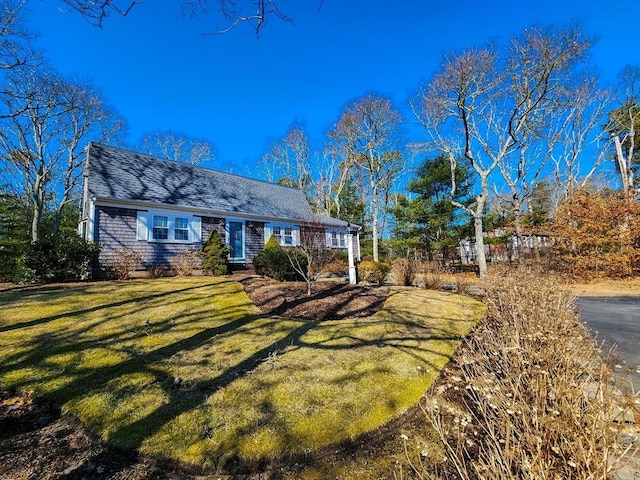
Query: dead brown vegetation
{"points": [[530, 396]]}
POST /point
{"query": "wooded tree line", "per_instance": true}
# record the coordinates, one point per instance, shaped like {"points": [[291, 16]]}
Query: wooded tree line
{"points": [[510, 135]]}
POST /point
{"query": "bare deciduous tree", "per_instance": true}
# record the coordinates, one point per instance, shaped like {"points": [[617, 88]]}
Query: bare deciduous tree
{"points": [[574, 132], [288, 160], [255, 12], [310, 257], [486, 104], [623, 126], [334, 173], [96, 11], [368, 135], [234, 12], [178, 147], [14, 47], [42, 144]]}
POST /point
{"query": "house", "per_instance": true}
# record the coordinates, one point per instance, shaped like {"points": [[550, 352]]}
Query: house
{"points": [[159, 208]]}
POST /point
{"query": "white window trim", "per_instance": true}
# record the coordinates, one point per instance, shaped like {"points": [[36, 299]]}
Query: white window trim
{"points": [[341, 235], [144, 227], [295, 233]]}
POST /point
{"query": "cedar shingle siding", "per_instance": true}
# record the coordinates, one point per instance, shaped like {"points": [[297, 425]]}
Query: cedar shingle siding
{"points": [[254, 238], [116, 229], [209, 224]]}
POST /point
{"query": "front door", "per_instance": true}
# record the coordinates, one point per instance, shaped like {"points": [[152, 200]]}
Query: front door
{"points": [[235, 240]]}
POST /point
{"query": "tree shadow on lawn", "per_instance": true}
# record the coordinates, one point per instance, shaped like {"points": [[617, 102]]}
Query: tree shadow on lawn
{"points": [[182, 398], [46, 319], [329, 301]]}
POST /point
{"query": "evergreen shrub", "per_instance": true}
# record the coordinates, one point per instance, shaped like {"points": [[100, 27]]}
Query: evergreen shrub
{"points": [[58, 258], [273, 261], [214, 255]]}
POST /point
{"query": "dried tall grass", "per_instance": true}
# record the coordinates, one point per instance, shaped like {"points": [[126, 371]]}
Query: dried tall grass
{"points": [[532, 398]]}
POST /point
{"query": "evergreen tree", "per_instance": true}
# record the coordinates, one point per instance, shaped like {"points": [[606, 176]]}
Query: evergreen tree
{"points": [[14, 233], [428, 220], [214, 255]]}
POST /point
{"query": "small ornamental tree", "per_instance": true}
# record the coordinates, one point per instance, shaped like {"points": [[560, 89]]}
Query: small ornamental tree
{"points": [[214, 255], [311, 256]]}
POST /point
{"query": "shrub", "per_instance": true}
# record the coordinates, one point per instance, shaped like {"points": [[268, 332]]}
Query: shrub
{"points": [[186, 262], [337, 267], [214, 255], [125, 261], [404, 271], [597, 235], [58, 258], [272, 261], [530, 396], [373, 272], [431, 274], [157, 270]]}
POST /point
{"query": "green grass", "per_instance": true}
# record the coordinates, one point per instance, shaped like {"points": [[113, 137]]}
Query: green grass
{"points": [[188, 368]]}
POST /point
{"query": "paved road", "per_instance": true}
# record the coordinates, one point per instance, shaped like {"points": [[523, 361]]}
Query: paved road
{"points": [[616, 321]]}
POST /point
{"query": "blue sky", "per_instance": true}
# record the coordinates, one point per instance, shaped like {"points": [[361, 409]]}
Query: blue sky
{"points": [[160, 72]]}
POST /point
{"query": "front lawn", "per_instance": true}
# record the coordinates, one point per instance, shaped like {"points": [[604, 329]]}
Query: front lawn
{"points": [[188, 368]]}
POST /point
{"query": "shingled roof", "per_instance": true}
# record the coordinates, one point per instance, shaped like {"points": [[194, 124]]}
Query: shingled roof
{"points": [[123, 175]]}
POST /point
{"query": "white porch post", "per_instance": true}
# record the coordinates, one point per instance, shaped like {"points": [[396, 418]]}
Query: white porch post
{"points": [[352, 264]]}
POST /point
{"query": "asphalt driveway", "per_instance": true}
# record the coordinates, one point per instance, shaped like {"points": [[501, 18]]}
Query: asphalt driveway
{"points": [[616, 321]]}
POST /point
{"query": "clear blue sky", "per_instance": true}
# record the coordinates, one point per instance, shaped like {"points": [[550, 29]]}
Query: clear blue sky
{"points": [[160, 73]]}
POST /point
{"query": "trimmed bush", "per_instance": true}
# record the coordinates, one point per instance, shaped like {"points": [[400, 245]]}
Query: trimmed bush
{"points": [[404, 271], [273, 261], [125, 261], [214, 255], [58, 258], [337, 267], [530, 396], [373, 272]]}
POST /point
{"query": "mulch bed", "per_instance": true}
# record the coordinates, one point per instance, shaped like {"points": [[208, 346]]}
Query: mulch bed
{"points": [[328, 301]]}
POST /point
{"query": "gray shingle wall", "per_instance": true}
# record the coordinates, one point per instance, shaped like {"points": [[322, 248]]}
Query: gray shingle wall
{"points": [[254, 239], [210, 224], [115, 229]]}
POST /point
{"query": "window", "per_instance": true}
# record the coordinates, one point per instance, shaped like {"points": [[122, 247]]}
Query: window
{"points": [[181, 229], [277, 232], [82, 229], [287, 235], [160, 227], [337, 239], [166, 227]]}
